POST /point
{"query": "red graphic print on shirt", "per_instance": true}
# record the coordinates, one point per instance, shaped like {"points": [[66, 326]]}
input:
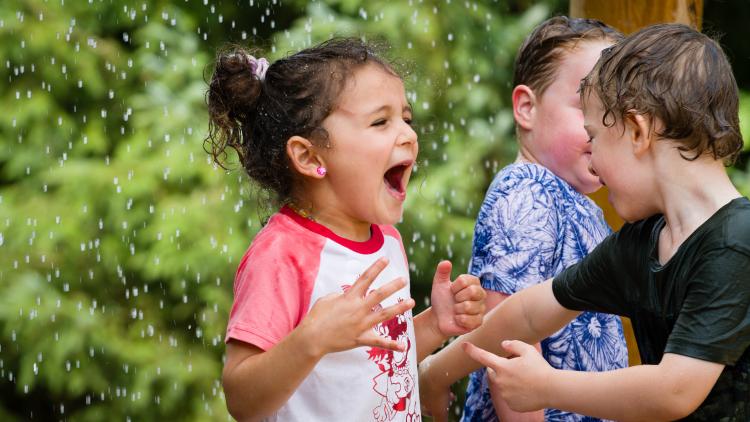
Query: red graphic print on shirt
{"points": [[395, 383]]}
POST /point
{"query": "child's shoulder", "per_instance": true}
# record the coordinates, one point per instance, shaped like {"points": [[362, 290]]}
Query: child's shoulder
{"points": [[526, 175], [283, 237], [524, 183], [733, 222]]}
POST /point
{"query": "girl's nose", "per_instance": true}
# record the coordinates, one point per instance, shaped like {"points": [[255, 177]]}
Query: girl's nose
{"points": [[407, 136]]}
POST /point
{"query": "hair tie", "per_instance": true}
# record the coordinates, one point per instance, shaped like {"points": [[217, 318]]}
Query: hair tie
{"points": [[258, 66]]}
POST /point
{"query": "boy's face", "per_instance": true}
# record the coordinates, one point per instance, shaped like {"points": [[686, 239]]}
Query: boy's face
{"points": [[559, 141], [614, 163]]}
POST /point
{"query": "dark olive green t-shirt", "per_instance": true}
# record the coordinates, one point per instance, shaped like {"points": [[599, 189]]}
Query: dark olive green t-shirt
{"points": [[697, 304]]}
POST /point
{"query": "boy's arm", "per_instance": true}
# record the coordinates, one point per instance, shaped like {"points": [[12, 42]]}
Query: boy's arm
{"points": [[529, 315], [670, 390]]}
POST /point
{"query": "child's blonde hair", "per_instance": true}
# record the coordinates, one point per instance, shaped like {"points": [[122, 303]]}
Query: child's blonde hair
{"points": [[539, 56]]}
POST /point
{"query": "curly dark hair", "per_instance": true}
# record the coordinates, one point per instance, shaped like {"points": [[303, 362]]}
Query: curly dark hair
{"points": [[679, 76], [539, 56], [256, 117]]}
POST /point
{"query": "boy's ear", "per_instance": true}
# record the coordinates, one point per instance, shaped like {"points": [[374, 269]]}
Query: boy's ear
{"points": [[524, 105], [303, 157], [641, 131]]}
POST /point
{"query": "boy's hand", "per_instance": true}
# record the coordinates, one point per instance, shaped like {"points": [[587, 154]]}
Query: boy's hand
{"points": [[343, 321], [521, 380], [458, 306]]}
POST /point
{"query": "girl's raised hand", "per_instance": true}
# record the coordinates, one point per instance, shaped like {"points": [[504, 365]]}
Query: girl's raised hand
{"points": [[458, 305], [343, 321]]}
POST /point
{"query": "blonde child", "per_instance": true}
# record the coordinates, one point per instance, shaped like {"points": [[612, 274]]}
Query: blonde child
{"points": [[321, 327], [661, 109], [536, 220]]}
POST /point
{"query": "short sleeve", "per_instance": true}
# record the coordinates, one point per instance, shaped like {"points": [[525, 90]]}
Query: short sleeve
{"points": [[272, 290], [597, 282], [515, 236], [714, 321]]}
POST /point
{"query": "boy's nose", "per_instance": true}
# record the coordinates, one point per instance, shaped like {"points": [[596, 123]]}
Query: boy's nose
{"points": [[591, 170]]}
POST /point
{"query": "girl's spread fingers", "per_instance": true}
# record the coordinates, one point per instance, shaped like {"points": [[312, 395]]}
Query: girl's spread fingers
{"points": [[376, 296], [373, 340], [386, 314], [360, 287]]}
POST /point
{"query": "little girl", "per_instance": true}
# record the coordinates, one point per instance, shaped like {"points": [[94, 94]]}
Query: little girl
{"points": [[321, 327], [536, 220]]}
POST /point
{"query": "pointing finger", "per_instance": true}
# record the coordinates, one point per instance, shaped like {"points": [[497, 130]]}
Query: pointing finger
{"points": [[482, 356], [517, 347]]}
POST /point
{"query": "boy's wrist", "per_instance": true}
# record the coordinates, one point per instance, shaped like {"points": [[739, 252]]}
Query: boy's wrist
{"points": [[549, 387]]}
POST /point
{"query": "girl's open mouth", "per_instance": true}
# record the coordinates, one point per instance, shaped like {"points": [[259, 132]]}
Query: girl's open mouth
{"points": [[395, 179]]}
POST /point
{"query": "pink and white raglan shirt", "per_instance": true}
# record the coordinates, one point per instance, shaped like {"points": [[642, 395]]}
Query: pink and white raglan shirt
{"points": [[292, 263]]}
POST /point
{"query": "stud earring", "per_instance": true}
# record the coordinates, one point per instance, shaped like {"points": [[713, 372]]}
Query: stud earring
{"points": [[321, 170]]}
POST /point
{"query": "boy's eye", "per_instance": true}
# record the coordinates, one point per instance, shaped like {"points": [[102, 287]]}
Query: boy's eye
{"points": [[408, 120], [379, 122]]}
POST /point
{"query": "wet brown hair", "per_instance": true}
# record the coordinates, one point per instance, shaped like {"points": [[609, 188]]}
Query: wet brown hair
{"points": [[681, 77], [539, 56], [256, 117]]}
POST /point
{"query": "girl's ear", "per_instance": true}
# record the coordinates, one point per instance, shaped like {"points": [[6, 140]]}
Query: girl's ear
{"points": [[641, 131], [524, 106], [303, 157]]}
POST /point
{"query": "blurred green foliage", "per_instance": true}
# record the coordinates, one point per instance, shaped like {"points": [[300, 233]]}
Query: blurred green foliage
{"points": [[119, 239]]}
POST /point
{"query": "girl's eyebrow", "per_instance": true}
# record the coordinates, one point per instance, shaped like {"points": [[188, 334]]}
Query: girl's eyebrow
{"points": [[407, 108]]}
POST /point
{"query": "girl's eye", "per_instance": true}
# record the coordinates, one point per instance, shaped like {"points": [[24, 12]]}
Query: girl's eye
{"points": [[591, 139]]}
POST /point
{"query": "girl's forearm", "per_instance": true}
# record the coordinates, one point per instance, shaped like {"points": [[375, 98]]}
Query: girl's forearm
{"points": [[258, 385], [427, 333]]}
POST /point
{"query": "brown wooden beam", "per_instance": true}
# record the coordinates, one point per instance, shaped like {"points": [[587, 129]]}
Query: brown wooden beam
{"points": [[631, 15]]}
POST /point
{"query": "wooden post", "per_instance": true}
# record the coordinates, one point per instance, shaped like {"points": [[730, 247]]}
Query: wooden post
{"points": [[629, 16]]}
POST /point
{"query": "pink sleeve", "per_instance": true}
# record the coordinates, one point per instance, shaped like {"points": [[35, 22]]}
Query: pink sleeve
{"points": [[272, 288], [393, 232]]}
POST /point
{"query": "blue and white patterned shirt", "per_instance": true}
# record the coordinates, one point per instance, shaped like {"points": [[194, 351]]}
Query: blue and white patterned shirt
{"points": [[531, 226]]}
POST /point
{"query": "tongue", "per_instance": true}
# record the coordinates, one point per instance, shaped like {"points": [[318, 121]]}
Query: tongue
{"points": [[393, 178]]}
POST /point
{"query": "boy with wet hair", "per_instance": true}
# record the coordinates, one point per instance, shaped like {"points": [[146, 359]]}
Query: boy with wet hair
{"points": [[661, 109]]}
